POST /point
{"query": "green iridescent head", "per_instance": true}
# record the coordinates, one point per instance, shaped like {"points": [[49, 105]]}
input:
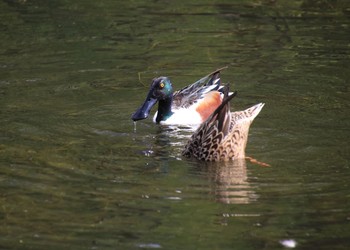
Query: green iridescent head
{"points": [[160, 90]]}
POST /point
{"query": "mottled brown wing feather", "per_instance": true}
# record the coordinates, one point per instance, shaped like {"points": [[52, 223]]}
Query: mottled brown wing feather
{"points": [[205, 142]]}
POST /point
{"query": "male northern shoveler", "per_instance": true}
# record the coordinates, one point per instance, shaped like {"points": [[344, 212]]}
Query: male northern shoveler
{"points": [[190, 105], [223, 136]]}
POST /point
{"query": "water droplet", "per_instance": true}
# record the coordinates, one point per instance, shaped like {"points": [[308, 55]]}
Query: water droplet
{"points": [[134, 126]]}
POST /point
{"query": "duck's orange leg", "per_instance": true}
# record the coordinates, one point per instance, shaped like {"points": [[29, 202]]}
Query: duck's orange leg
{"points": [[255, 161]]}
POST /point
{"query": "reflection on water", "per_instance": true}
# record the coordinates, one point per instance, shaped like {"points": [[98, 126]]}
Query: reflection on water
{"points": [[167, 141], [229, 181]]}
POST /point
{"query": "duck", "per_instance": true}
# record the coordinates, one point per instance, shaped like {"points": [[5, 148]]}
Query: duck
{"points": [[190, 105], [224, 135]]}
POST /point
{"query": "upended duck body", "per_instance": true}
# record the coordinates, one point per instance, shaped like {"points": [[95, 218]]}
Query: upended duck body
{"points": [[224, 135]]}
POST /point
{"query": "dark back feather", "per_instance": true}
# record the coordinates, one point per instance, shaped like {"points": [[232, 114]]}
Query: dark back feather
{"points": [[186, 96]]}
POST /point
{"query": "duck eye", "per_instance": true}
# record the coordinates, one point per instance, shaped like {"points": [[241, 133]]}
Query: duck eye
{"points": [[161, 85]]}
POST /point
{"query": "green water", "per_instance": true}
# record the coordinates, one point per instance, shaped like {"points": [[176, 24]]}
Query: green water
{"points": [[75, 174]]}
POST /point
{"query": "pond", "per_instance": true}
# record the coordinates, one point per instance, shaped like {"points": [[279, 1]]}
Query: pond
{"points": [[76, 173]]}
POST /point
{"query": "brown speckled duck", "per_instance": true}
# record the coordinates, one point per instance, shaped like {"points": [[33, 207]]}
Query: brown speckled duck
{"points": [[223, 136]]}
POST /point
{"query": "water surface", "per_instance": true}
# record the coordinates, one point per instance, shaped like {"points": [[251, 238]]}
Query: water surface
{"points": [[74, 173]]}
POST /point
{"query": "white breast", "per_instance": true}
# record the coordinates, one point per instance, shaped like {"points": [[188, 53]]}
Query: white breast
{"points": [[182, 117]]}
